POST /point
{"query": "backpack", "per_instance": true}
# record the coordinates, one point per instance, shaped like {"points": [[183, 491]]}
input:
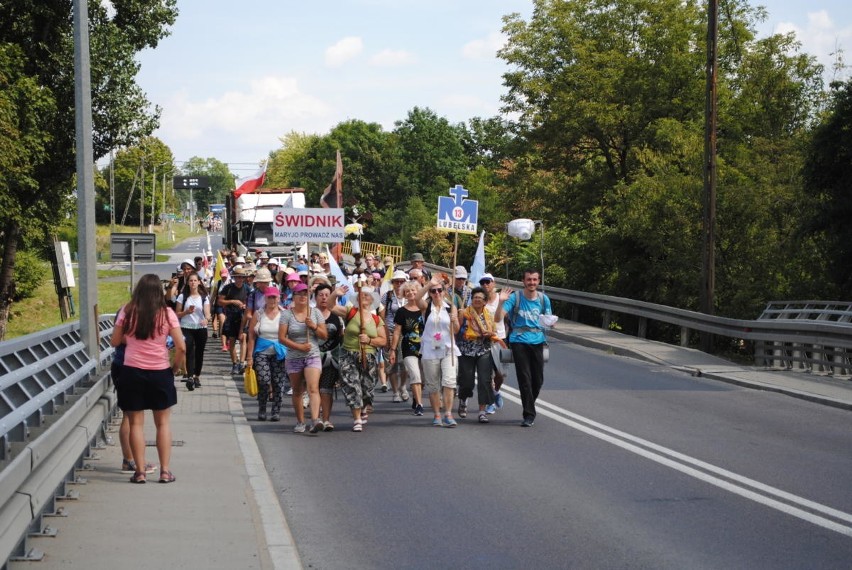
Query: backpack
{"points": [[353, 311], [516, 309]]}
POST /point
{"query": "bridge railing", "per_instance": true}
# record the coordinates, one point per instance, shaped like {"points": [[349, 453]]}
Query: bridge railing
{"points": [[822, 343], [54, 405]]}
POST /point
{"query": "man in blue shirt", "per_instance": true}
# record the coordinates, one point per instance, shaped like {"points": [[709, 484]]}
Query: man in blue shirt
{"points": [[527, 338]]}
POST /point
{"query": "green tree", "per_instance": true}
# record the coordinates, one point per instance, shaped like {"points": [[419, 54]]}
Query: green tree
{"points": [[221, 182], [121, 114]]}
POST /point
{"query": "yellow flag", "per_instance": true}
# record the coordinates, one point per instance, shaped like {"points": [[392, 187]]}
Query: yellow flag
{"points": [[220, 265]]}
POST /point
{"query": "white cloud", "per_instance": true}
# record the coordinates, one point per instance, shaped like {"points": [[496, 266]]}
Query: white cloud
{"points": [[484, 48], [344, 50], [392, 58], [820, 37], [255, 117]]}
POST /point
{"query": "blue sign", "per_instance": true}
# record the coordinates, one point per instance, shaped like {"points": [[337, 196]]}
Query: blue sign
{"points": [[456, 213]]}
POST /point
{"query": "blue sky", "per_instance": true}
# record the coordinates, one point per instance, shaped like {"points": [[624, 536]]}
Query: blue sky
{"points": [[234, 77]]}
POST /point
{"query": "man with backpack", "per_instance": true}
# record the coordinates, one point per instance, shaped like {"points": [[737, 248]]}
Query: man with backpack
{"points": [[527, 338]]}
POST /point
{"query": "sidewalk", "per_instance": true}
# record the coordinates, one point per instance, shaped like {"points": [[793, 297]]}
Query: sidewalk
{"points": [[222, 512], [824, 390]]}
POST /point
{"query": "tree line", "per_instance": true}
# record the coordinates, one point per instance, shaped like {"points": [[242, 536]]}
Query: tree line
{"points": [[601, 138]]}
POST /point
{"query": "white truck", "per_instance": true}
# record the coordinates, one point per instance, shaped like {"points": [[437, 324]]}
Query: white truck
{"points": [[248, 220]]}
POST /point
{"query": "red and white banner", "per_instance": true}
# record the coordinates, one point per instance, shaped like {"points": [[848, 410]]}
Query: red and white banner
{"points": [[316, 225], [250, 183]]}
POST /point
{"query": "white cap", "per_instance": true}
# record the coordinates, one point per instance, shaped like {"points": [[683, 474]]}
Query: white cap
{"points": [[460, 272]]}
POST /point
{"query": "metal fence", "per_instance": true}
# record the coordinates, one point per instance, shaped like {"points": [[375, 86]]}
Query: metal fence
{"points": [[54, 405]]}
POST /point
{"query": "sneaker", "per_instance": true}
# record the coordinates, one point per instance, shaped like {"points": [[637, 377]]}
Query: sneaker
{"points": [[300, 427], [190, 385], [527, 423], [242, 367], [225, 348], [384, 387], [289, 392], [275, 417], [196, 381], [498, 400], [404, 395], [397, 398], [306, 399], [462, 410], [261, 416], [235, 369], [418, 410], [215, 334], [450, 422], [490, 409], [413, 404], [436, 422], [328, 426], [483, 419], [317, 426]]}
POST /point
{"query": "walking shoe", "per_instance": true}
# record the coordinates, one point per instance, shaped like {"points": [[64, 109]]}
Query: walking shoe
{"points": [[498, 400], [317, 426], [261, 416], [418, 410], [450, 422], [306, 399], [384, 387], [300, 427], [196, 381], [527, 423], [235, 369], [413, 404], [490, 409], [242, 366], [215, 334], [462, 410], [328, 426], [404, 395], [225, 348], [289, 392], [276, 417], [190, 385], [483, 419], [397, 398], [436, 422]]}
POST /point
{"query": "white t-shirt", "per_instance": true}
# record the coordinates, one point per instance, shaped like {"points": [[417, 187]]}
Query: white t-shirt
{"points": [[499, 326], [193, 320]]}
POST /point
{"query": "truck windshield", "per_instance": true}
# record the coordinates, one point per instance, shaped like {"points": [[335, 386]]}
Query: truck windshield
{"points": [[256, 233]]}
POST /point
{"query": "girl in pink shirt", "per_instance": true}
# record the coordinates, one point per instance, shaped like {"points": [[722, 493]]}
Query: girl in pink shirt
{"points": [[147, 380]]}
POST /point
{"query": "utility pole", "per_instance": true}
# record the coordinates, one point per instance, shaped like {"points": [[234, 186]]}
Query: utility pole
{"points": [[85, 181], [111, 191], [708, 272], [142, 196]]}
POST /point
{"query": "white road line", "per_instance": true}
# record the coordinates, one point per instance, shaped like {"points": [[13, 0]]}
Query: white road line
{"points": [[681, 462]]}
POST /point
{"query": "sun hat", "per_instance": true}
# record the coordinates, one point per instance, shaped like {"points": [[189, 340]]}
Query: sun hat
{"points": [[460, 272], [300, 287], [417, 257], [263, 275], [240, 272], [293, 276], [273, 261], [241, 259], [263, 255], [399, 275], [376, 275], [189, 262]]}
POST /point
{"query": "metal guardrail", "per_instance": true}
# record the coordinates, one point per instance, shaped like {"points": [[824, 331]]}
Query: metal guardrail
{"points": [[814, 345], [54, 404]]}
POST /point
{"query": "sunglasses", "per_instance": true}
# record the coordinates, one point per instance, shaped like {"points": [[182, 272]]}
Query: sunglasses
{"points": [[486, 281], [436, 290]]}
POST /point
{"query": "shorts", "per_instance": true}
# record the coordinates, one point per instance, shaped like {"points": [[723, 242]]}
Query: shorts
{"points": [[296, 365], [140, 389], [412, 367], [439, 373], [231, 327], [217, 310]]}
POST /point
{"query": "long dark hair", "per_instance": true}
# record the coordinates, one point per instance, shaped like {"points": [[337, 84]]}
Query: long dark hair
{"points": [[202, 290], [145, 314]]}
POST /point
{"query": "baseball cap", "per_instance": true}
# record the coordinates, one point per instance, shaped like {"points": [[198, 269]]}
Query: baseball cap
{"points": [[300, 287], [486, 277], [293, 276], [271, 292], [460, 272]]}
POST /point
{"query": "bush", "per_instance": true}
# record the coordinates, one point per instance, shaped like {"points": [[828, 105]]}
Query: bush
{"points": [[30, 272]]}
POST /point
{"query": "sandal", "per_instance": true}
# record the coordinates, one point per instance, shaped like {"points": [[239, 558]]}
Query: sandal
{"points": [[138, 477], [358, 426], [167, 477]]}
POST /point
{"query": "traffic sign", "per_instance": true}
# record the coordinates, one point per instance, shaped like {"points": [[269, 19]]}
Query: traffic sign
{"points": [[190, 182], [456, 213]]}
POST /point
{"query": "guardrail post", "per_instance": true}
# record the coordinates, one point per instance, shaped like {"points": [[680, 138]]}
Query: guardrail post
{"points": [[607, 318], [684, 336], [642, 330]]}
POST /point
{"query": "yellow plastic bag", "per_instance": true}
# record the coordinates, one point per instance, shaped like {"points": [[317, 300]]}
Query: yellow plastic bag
{"points": [[250, 382]]}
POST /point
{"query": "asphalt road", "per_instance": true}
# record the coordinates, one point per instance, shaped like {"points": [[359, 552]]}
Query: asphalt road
{"points": [[629, 465]]}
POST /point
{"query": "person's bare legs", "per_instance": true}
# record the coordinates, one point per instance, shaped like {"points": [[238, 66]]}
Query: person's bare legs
{"points": [[124, 439], [162, 419], [137, 438]]}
